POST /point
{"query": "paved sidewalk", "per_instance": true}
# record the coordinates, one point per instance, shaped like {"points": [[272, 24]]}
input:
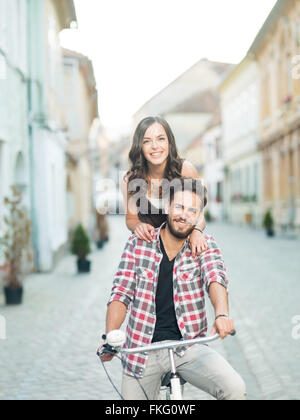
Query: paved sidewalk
{"points": [[52, 338], [50, 351], [265, 292]]}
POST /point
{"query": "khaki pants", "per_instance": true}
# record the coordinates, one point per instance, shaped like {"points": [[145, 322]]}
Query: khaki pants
{"points": [[200, 366]]}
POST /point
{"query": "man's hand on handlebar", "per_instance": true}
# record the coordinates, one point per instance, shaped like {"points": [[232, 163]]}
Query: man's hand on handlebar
{"points": [[104, 354], [223, 326]]}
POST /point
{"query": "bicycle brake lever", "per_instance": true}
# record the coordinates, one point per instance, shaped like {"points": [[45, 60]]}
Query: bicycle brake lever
{"points": [[107, 349]]}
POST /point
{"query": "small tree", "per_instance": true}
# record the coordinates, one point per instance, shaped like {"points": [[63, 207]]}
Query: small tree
{"points": [[268, 222], [80, 243], [17, 240]]}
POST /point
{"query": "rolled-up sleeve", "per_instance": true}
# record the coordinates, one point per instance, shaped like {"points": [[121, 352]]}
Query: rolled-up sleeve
{"points": [[124, 283], [212, 266]]}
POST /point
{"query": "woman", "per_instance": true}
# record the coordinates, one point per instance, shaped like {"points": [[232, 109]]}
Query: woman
{"points": [[154, 158]]}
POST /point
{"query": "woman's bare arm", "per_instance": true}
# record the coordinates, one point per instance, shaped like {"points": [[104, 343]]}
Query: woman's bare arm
{"points": [[133, 223], [132, 219]]}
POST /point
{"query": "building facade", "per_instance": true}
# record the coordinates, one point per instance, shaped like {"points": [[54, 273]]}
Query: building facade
{"points": [[81, 107], [188, 102], [194, 154], [213, 168], [277, 51], [47, 127], [239, 96], [14, 139]]}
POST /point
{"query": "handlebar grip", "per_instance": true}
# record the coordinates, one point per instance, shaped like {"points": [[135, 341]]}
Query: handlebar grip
{"points": [[116, 338]]}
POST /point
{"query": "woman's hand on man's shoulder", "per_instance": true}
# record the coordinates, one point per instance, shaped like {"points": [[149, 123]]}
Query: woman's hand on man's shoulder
{"points": [[145, 232]]}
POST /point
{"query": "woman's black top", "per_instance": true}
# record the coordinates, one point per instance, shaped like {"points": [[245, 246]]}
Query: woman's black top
{"points": [[150, 213]]}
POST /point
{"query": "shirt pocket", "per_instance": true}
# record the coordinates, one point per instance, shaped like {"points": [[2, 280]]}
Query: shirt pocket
{"points": [[189, 288], [145, 279], [189, 272]]}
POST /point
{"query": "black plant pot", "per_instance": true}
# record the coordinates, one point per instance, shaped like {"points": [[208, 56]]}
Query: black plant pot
{"points": [[100, 244], [270, 232], [83, 266], [13, 296]]}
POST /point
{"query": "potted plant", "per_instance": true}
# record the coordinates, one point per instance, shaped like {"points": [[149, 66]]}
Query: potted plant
{"points": [[17, 247], [268, 223], [208, 216], [81, 247]]}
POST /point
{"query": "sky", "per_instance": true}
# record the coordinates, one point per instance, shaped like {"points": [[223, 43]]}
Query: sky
{"points": [[140, 46]]}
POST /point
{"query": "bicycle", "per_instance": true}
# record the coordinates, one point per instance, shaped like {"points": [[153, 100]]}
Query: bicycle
{"points": [[172, 383]]}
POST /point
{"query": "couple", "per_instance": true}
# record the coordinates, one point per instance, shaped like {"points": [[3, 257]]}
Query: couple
{"points": [[167, 265]]}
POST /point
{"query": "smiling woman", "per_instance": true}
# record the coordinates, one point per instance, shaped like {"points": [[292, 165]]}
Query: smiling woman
{"points": [[155, 163], [154, 158], [154, 151]]}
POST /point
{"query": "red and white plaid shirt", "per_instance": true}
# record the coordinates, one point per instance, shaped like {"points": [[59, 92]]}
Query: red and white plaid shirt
{"points": [[135, 285]]}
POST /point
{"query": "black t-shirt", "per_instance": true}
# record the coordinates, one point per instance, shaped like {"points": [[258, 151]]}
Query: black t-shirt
{"points": [[166, 327]]}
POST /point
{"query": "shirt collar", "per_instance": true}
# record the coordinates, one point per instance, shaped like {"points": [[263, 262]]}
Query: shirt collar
{"points": [[157, 231]]}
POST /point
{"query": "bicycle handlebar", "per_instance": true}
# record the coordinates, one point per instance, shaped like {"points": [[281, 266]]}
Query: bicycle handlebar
{"points": [[170, 345]]}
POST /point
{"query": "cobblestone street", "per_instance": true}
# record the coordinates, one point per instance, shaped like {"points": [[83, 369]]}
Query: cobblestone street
{"points": [[50, 350]]}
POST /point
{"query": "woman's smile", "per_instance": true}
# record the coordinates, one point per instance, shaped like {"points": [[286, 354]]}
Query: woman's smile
{"points": [[156, 154]]}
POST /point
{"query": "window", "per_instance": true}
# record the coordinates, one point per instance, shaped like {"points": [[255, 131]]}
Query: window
{"points": [[3, 69], [2, 178], [268, 181], [53, 46], [255, 180], [18, 29], [218, 148], [4, 21], [266, 92], [247, 181], [219, 197], [298, 171], [283, 176], [291, 174], [290, 86], [297, 33]]}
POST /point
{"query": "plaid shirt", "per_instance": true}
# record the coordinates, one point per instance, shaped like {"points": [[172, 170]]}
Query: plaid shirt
{"points": [[135, 285]]}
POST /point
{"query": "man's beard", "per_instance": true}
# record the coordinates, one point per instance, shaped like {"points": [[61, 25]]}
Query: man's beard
{"points": [[179, 235]]}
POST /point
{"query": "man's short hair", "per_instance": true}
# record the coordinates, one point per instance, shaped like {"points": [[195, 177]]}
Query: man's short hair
{"points": [[189, 184]]}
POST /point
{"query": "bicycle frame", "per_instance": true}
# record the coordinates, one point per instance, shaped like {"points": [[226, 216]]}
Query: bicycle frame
{"points": [[176, 393]]}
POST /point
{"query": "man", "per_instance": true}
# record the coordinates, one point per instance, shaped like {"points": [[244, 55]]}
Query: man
{"points": [[163, 285]]}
